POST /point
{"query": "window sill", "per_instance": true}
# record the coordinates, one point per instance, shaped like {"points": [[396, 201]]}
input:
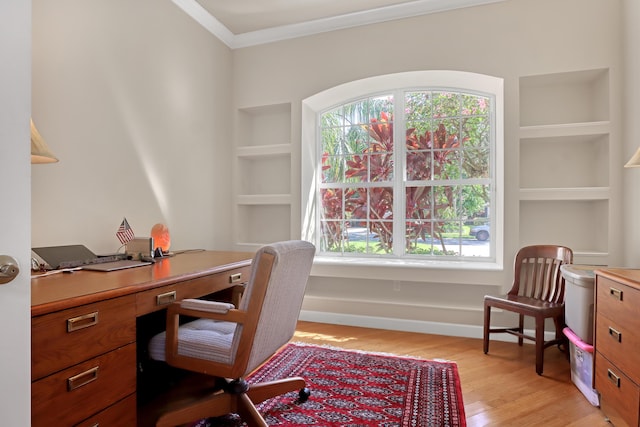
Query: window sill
{"points": [[407, 270]]}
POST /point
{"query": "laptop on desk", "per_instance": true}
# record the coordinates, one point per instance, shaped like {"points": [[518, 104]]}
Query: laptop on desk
{"points": [[73, 256]]}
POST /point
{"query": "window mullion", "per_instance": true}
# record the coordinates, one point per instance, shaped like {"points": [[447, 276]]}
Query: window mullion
{"points": [[399, 205]]}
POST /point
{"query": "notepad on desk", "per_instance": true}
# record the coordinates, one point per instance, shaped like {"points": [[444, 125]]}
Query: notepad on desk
{"points": [[115, 265]]}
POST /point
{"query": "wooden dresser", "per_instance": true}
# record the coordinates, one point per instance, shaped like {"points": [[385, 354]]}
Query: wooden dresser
{"points": [[84, 337], [617, 345]]}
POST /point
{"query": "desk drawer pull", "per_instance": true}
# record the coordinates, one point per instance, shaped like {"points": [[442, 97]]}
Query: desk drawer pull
{"points": [[613, 378], [235, 278], [615, 334], [166, 298], [81, 322], [82, 379], [616, 293]]}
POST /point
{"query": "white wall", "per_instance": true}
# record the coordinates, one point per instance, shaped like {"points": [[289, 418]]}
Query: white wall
{"points": [[509, 40], [631, 130], [132, 97]]}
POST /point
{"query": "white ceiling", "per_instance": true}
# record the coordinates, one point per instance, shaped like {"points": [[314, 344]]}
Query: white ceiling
{"points": [[241, 23]]}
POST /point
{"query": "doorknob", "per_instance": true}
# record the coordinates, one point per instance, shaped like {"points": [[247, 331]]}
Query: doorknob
{"points": [[8, 269]]}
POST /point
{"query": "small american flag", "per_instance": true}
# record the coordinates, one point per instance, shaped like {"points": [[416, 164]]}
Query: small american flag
{"points": [[125, 233]]}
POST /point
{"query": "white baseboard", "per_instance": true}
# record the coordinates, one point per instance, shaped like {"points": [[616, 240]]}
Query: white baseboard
{"points": [[436, 328]]}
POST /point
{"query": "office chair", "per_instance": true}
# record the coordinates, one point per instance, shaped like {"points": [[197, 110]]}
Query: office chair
{"points": [[537, 291], [229, 343]]}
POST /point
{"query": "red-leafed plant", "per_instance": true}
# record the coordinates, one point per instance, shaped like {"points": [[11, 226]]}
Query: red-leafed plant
{"points": [[427, 157]]}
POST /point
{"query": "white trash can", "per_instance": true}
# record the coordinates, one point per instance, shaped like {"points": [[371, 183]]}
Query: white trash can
{"points": [[578, 299]]}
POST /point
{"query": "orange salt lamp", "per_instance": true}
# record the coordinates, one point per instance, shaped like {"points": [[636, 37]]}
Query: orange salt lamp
{"points": [[161, 237]]}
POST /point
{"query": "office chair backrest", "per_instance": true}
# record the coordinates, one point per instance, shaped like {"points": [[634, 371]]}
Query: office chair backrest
{"points": [[537, 272], [283, 289]]}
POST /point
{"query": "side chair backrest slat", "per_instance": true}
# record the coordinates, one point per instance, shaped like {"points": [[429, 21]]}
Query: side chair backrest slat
{"points": [[538, 273]]}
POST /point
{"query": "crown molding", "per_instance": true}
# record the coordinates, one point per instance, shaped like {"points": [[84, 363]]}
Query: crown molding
{"points": [[285, 32], [208, 21]]}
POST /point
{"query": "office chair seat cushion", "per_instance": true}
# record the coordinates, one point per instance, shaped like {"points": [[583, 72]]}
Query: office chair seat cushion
{"points": [[202, 339]]}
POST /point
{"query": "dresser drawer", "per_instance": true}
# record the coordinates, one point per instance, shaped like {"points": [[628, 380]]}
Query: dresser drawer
{"points": [[619, 396], [617, 342], [617, 301], [67, 337], [74, 394], [122, 413], [159, 298]]}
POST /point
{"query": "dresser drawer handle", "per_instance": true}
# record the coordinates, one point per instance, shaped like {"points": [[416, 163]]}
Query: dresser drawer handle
{"points": [[166, 298], [613, 378], [235, 278], [81, 322], [82, 379], [616, 293], [615, 334]]}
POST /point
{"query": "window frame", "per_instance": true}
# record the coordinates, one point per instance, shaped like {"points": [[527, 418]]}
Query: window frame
{"points": [[401, 83]]}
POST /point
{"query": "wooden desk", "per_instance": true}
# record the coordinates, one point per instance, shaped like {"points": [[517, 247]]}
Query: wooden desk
{"points": [[83, 327]]}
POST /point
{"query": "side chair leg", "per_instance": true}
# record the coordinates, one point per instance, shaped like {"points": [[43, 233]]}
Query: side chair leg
{"points": [[520, 329], [561, 339], [539, 344], [487, 325]]}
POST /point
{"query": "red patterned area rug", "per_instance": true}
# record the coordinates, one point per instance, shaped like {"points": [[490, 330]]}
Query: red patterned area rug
{"points": [[359, 389]]}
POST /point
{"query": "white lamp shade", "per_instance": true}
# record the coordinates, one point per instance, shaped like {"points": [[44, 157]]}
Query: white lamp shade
{"points": [[634, 161], [40, 152]]}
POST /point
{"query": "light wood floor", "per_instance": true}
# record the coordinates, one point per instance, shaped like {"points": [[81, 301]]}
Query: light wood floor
{"points": [[500, 388]]}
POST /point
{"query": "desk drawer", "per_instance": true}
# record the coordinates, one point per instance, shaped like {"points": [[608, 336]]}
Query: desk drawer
{"points": [[617, 342], [76, 393], [159, 298], [619, 396], [67, 337], [618, 301], [122, 413]]}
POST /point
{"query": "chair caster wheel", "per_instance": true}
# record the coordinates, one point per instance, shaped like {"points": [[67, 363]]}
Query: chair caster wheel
{"points": [[237, 387], [303, 394]]}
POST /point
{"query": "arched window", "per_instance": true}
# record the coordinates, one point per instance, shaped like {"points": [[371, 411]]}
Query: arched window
{"points": [[405, 166]]}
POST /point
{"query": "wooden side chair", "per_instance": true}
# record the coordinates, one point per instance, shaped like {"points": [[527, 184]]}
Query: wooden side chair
{"points": [[537, 291], [229, 343]]}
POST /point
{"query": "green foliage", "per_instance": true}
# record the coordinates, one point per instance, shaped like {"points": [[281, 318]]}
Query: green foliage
{"points": [[447, 137]]}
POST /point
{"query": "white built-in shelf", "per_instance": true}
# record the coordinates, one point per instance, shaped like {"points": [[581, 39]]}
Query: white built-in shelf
{"points": [[565, 144], [565, 129], [263, 199], [590, 257], [263, 208], [262, 151], [575, 193], [250, 247]]}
